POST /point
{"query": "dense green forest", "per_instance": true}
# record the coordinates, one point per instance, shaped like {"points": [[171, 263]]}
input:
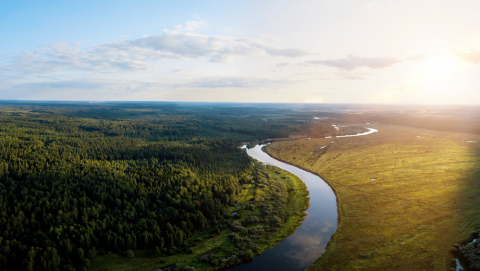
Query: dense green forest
{"points": [[81, 181]]}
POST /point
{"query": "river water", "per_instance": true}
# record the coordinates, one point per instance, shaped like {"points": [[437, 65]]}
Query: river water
{"points": [[302, 248]]}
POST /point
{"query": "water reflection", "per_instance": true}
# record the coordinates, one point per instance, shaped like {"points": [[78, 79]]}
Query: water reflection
{"points": [[303, 247], [370, 131]]}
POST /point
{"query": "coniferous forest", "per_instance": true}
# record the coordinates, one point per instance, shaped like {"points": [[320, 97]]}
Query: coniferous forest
{"points": [[78, 181]]}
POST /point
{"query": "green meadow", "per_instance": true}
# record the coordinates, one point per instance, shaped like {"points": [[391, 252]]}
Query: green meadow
{"points": [[406, 195]]}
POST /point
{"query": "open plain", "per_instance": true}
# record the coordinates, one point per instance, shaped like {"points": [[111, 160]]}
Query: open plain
{"points": [[406, 195]]}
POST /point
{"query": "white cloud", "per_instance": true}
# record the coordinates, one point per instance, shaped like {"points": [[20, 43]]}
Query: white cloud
{"points": [[270, 38], [351, 76], [408, 88], [192, 26], [90, 86], [353, 62], [178, 45], [348, 64], [183, 70], [222, 58], [60, 85], [141, 54], [417, 57], [469, 56], [236, 82]]}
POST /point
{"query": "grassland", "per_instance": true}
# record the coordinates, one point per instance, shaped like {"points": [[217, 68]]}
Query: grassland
{"points": [[283, 191], [406, 195]]}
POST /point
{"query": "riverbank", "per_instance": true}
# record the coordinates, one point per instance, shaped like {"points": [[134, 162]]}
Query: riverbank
{"points": [[308, 242], [337, 198], [272, 204], [399, 193]]}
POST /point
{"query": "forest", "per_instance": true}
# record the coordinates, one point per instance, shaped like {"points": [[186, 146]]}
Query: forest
{"points": [[80, 181]]}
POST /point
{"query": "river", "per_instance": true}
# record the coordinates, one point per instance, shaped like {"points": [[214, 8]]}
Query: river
{"points": [[308, 242]]}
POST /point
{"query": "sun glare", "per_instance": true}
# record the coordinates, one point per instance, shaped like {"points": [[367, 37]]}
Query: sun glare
{"points": [[438, 70], [434, 80]]}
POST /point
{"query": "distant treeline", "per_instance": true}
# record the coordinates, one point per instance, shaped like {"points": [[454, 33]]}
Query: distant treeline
{"points": [[453, 124], [448, 123]]}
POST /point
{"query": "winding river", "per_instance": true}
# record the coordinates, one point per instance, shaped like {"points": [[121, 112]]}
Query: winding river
{"points": [[308, 242]]}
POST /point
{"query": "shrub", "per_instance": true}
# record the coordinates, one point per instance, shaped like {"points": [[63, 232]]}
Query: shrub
{"points": [[267, 209], [248, 254], [276, 221], [237, 227], [129, 253], [157, 252], [256, 230], [252, 220]]}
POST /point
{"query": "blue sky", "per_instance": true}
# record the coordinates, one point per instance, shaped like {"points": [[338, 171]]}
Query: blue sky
{"points": [[28, 24], [345, 51]]}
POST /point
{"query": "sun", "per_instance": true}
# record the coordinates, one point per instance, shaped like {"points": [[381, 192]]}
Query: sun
{"points": [[438, 70], [433, 80]]}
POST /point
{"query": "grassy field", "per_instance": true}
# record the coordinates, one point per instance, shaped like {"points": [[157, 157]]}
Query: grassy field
{"points": [[406, 195], [285, 192]]}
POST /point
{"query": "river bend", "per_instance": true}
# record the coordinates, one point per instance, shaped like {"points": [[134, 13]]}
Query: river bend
{"points": [[308, 242]]}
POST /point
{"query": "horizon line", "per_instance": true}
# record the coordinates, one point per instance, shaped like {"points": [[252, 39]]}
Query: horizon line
{"points": [[229, 102]]}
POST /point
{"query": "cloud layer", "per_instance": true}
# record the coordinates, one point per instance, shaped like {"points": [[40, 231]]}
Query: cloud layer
{"points": [[354, 62], [211, 82], [72, 84], [192, 26], [470, 56], [143, 53], [235, 82]]}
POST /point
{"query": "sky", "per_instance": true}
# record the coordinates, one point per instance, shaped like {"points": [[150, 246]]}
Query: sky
{"points": [[302, 51]]}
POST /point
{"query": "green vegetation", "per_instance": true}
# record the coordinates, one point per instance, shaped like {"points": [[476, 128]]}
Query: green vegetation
{"points": [[406, 195], [80, 185], [469, 253], [138, 186], [271, 207]]}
